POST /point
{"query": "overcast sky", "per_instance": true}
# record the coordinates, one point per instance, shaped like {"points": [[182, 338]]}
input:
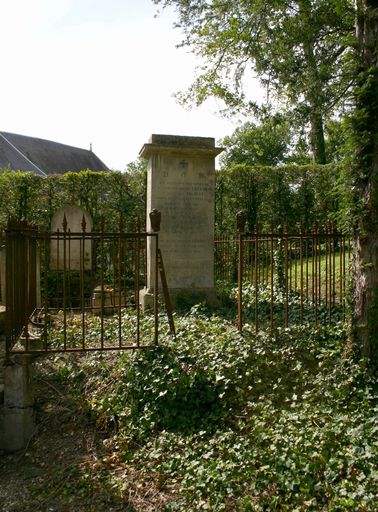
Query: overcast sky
{"points": [[100, 72]]}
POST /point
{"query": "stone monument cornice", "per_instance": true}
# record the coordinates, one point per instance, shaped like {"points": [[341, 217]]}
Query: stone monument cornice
{"points": [[150, 149], [180, 145]]}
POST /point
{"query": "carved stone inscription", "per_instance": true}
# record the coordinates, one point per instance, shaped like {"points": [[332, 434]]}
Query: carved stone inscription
{"points": [[184, 192]]}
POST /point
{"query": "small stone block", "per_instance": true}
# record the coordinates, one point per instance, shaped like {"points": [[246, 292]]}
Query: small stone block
{"points": [[18, 427], [18, 384]]}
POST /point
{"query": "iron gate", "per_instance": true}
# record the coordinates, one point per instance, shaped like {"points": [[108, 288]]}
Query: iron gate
{"points": [[79, 291]]}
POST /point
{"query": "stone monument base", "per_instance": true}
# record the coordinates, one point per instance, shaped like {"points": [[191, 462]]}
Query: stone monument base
{"points": [[181, 297], [106, 300], [146, 299]]}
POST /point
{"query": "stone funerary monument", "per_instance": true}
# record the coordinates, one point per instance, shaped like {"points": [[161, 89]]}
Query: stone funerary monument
{"points": [[181, 184]]}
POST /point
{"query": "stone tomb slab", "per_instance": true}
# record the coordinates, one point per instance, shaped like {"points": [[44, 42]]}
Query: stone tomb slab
{"points": [[73, 250]]}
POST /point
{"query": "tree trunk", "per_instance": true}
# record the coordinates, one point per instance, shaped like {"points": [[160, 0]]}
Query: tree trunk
{"points": [[314, 94], [317, 138], [365, 257]]}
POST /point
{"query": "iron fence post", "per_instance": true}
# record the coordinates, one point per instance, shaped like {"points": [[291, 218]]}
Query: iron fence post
{"points": [[241, 219], [155, 219]]}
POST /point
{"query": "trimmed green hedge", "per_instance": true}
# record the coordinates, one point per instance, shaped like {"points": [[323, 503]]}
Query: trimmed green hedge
{"points": [[291, 194], [24, 195]]}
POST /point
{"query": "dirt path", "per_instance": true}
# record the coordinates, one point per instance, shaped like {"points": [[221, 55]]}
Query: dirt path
{"points": [[68, 465]]}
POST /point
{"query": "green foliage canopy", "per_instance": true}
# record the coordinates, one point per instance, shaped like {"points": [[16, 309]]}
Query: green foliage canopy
{"points": [[289, 194], [264, 144], [299, 49]]}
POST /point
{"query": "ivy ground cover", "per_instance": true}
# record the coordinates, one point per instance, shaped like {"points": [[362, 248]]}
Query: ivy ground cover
{"points": [[219, 421]]}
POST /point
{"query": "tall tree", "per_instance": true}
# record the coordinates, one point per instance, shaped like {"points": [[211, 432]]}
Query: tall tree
{"points": [[267, 143], [297, 48], [365, 174]]}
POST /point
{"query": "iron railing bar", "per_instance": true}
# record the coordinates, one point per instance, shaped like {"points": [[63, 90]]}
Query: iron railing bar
{"points": [[25, 255], [307, 273], [156, 290], [342, 273], [296, 265], [86, 349], [316, 274], [240, 283], [327, 290], [120, 261], [332, 271], [271, 280], [286, 291], [64, 283], [301, 275], [319, 267], [257, 278], [137, 282], [334, 275], [81, 279], [69, 267], [46, 246], [102, 282]]}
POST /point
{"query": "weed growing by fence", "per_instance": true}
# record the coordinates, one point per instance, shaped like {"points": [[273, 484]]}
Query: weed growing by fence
{"points": [[277, 306]]}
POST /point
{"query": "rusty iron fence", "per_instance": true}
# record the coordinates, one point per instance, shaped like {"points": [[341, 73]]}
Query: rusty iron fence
{"points": [[283, 278], [78, 291], [21, 292], [2, 267]]}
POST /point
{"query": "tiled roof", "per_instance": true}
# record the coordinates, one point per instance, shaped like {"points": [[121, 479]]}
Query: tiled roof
{"points": [[22, 153]]}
